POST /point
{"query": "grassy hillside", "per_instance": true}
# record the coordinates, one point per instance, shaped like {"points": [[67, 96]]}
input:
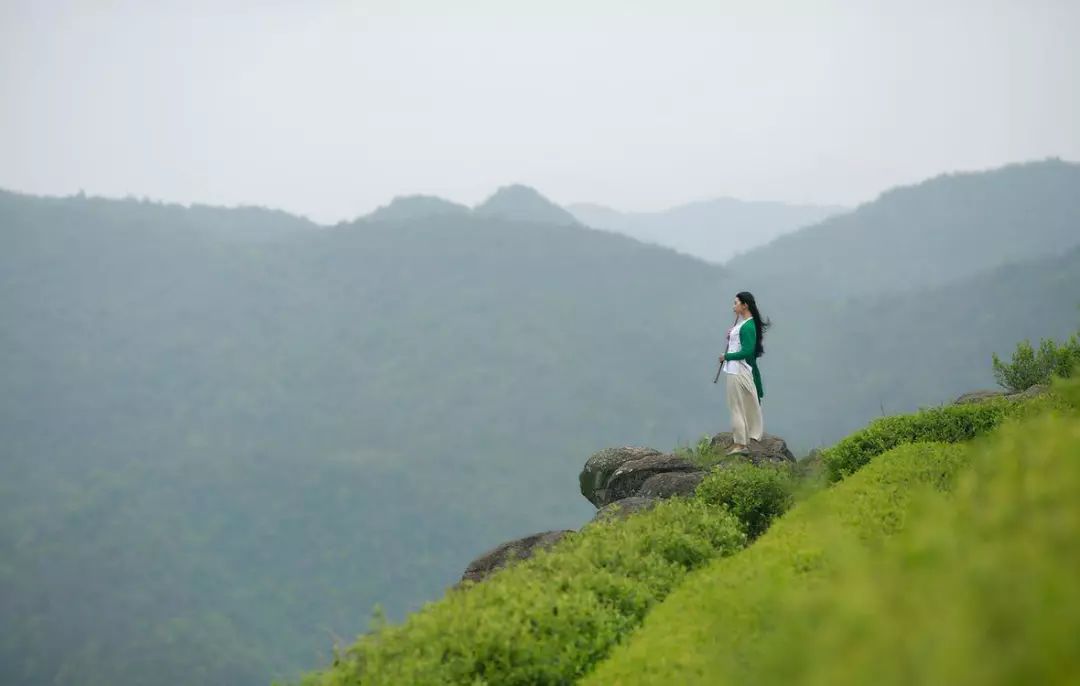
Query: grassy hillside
{"points": [[548, 619], [934, 564]]}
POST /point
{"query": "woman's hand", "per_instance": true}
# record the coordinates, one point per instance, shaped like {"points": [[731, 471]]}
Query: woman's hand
{"points": [[721, 359]]}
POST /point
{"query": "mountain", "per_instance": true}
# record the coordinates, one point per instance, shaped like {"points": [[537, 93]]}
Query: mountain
{"points": [[231, 225], [522, 203], [713, 230], [927, 235], [831, 366], [514, 203], [405, 208], [220, 454], [907, 296]]}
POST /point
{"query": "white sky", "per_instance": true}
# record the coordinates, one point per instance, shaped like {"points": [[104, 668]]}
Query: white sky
{"points": [[329, 109]]}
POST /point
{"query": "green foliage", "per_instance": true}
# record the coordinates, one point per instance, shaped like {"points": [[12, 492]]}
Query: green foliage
{"points": [[725, 614], [948, 424], [1030, 367], [997, 600], [702, 453], [936, 563], [755, 495], [548, 619]]}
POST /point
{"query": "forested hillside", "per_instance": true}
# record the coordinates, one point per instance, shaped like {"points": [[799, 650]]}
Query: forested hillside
{"points": [[232, 451], [927, 235], [228, 434]]}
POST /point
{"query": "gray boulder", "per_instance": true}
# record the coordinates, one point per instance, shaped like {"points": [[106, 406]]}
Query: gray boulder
{"points": [[978, 397], [599, 468], [621, 509], [769, 450], [671, 484], [501, 555], [628, 478], [1036, 390], [982, 396]]}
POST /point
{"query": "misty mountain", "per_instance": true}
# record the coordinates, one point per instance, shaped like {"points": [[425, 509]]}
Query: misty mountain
{"points": [[220, 454], [522, 203], [515, 203], [713, 230], [410, 207], [232, 225], [926, 235], [833, 365]]}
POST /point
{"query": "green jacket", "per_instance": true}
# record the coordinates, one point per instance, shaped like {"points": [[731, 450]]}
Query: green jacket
{"points": [[748, 342]]}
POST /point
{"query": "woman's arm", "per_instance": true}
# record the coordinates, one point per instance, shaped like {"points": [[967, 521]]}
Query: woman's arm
{"points": [[747, 341]]}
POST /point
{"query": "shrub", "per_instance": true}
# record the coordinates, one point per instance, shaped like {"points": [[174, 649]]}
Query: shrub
{"points": [[947, 424], [755, 495], [722, 618], [1030, 367], [934, 564], [548, 619], [997, 600]]}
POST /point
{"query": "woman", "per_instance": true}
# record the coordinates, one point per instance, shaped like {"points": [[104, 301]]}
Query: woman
{"points": [[744, 392]]}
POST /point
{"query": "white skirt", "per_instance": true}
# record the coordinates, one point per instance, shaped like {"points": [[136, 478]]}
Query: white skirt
{"points": [[746, 419]]}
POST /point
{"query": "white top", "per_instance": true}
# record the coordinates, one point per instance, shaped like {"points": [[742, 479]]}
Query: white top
{"points": [[734, 345]]}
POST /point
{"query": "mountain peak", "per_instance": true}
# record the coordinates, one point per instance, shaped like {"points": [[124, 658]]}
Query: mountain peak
{"points": [[416, 206], [526, 204]]}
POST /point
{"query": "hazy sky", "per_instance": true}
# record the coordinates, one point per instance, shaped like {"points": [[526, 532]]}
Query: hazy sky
{"points": [[329, 109]]}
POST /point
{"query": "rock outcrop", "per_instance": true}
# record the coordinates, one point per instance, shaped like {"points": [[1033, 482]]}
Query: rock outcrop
{"points": [[671, 485], [621, 509], [769, 450], [978, 397], [599, 468], [982, 396], [628, 478], [623, 481], [518, 549]]}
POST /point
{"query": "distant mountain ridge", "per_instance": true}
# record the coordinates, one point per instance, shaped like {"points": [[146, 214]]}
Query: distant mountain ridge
{"points": [[242, 224], [406, 207], [523, 203], [712, 230], [926, 235], [515, 202]]}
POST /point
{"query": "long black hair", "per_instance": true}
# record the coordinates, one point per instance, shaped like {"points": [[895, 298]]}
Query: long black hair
{"points": [[747, 298]]}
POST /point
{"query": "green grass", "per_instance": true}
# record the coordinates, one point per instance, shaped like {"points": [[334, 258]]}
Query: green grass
{"points": [[948, 424], [548, 619], [935, 563], [724, 611], [754, 617], [704, 455]]}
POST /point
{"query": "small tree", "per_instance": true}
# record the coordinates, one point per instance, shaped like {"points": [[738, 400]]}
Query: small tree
{"points": [[1030, 367]]}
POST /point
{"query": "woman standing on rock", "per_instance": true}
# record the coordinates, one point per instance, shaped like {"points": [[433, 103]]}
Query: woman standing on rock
{"points": [[744, 392]]}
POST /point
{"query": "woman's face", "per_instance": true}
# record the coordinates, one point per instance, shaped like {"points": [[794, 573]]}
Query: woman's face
{"points": [[739, 308]]}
